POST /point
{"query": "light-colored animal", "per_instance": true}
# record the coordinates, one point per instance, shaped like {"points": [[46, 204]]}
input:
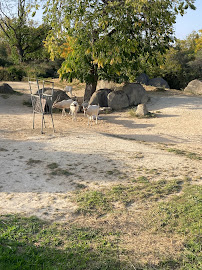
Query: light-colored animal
{"points": [[74, 107], [68, 89], [92, 111], [85, 106], [64, 104]]}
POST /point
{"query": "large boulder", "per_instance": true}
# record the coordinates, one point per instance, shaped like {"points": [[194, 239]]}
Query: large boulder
{"points": [[158, 82], [99, 97], [57, 94], [131, 94], [6, 89], [194, 87], [136, 93], [143, 79], [118, 100]]}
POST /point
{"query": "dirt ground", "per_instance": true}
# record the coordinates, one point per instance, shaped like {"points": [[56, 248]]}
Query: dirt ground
{"points": [[119, 143]]}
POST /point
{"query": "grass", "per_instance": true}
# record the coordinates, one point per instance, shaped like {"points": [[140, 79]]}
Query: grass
{"points": [[53, 166], [56, 171], [101, 202], [92, 202], [60, 172], [99, 243], [187, 154], [30, 243], [132, 113], [33, 161], [3, 149], [182, 215], [27, 103]]}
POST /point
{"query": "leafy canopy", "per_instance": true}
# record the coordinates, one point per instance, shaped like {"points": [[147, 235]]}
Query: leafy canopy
{"points": [[24, 37], [110, 38]]}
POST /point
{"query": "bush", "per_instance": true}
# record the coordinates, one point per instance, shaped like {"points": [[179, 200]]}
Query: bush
{"points": [[16, 73], [5, 75]]}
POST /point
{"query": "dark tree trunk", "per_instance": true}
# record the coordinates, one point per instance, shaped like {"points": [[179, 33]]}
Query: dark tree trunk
{"points": [[89, 90], [91, 84]]}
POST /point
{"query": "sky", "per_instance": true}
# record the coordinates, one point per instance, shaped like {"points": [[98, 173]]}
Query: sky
{"points": [[191, 21]]}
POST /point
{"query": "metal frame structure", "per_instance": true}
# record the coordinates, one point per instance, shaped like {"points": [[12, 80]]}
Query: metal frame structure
{"points": [[41, 103]]}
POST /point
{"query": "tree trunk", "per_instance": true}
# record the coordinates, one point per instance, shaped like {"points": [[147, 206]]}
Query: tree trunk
{"points": [[89, 90], [91, 84]]}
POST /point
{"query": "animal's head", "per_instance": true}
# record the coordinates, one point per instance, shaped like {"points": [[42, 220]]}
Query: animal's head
{"points": [[74, 103], [85, 106]]}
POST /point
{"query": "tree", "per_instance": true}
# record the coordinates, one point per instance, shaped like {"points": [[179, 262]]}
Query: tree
{"points": [[183, 61], [22, 35], [112, 39]]}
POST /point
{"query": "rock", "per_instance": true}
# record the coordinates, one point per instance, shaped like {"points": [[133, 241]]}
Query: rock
{"points": [[57, 94], [118, 100], [158, 82], [143, 79], [105, 110], [141, 110], [6, 89], [194, 87], [99, 97], [136, 94]]}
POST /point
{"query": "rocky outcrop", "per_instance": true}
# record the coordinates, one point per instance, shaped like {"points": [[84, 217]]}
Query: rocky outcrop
{"points": [[118, 100], [99, 97], [131, 94], [6, 89], [158, 82], [136, 94], [143, 79], [194, 87], [57, 94]]}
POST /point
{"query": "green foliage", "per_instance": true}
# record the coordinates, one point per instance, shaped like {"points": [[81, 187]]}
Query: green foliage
{"points": [[23, 37], [183, 62], [112, 39], [33, 69]]}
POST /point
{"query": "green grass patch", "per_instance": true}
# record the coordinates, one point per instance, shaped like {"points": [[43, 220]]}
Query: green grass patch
{"points": [[3, 149], [182, 215], [29, 243], [132, 113], [101, 202], [60, 172], [56, 171], [92, 202], [27, 103], [188, 154], [33, 161], [53, 166]]}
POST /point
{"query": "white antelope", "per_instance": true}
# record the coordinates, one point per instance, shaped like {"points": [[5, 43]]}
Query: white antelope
{"points": [[92, 111], [74, 107], [64, 104]]}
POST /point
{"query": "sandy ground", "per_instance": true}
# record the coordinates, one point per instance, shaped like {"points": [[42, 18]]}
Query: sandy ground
{"points": [[118, 149]]}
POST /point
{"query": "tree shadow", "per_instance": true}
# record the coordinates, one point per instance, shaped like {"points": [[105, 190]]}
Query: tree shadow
{"points": [[141, 138], [130, 124]]}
